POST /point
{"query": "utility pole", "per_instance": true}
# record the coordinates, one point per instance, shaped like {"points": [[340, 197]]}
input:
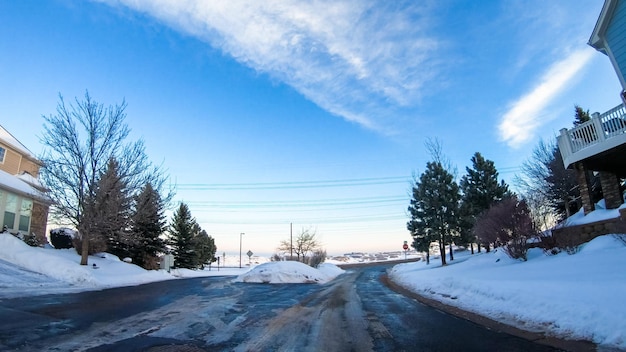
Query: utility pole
{"points": [[291, 237], [240, 235]]}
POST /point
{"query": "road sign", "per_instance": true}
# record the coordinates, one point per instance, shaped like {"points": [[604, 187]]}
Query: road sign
{"points": [[249, 253], [405, 246]]}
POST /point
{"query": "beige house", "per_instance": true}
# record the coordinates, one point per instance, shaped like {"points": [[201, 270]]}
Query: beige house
{"points": [[23, 202]]}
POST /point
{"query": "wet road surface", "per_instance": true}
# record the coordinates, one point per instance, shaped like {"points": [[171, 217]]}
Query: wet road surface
{"points": [[355, 312]]}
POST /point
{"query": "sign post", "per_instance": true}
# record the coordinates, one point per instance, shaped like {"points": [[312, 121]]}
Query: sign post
{"points": [[249, 257], [405, 246]]}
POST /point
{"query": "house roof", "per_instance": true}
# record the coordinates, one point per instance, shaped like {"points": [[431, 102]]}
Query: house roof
{"points": [[17, 185], [599, 31], [8, 138]]}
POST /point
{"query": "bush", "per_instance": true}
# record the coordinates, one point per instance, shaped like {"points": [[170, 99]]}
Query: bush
{"points": [[62, 238], [508, 222], [317, 258]]}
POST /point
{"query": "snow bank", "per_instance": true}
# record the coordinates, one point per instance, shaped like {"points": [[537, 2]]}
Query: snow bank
{"points": [[63, 265], [572, 296], [289, 272]]}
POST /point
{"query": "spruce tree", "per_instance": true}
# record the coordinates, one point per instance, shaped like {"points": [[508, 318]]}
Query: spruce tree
{"points": [[480, 189], [580, 116], [205, 249], [183, 229], [148, 224], [108, 210], [422, 236], [434, 208]]}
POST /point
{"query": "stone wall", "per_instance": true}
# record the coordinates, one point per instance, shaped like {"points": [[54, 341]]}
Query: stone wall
{"points": [[38, 221], [571, 236]]}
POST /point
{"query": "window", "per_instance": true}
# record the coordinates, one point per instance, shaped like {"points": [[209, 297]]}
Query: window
{"points": [[24, 223], [10, 210], [9, 220], [25, 211], [2, 152]]}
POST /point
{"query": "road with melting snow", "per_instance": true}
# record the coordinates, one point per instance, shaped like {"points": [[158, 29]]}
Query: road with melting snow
{"points": [[355, 312]]}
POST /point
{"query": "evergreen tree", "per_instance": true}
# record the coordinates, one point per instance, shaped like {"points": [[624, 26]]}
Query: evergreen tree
{"points": [[480, 190], [148, 224], [434, 208], [581, 116], [183, 229], [108, 210], [205, 249], [422, 236]]}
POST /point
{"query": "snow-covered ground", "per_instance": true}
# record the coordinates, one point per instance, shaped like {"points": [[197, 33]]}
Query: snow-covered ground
{"points": [[579, 296], [26, 271]]}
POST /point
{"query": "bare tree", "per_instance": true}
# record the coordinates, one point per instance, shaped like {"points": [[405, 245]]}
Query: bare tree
{"points": [[79, 140], [305, 243], [508, 222]]}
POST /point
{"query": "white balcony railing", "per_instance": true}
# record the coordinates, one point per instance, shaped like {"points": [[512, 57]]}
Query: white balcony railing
{"points": [[602, 132]]}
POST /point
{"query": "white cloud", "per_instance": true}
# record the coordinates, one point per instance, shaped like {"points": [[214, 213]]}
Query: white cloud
{"points": [[528, 113], [357, 59]]}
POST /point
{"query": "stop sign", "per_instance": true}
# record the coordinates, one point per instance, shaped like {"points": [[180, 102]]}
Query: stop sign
{"points": [[405, 246]]}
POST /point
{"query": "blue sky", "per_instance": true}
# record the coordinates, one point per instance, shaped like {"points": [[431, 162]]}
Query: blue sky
{"points": [[312, 113]]}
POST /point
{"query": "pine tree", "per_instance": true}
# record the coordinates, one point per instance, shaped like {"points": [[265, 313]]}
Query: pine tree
{"points": [[183, 229], [422, 236], [480, 190], [108, 213], [205, 249], [434, 208], [580, 116], [148, 224]]}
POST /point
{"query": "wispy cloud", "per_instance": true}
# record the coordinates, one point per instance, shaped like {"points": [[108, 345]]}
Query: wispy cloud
{"points": [[527, 114], [357, 59]]}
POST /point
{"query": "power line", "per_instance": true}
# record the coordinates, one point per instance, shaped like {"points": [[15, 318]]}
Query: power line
{"points": [[296, 184]]}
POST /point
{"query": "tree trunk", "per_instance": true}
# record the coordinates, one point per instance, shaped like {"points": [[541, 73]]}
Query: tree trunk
{"points": [[478, 244], [487, 248], [427, 258], [442, 252], [451, 255], [84, 250], [472, 248]]}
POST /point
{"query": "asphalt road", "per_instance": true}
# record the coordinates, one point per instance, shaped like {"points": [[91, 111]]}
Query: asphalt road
{"points": [[355, 312]]}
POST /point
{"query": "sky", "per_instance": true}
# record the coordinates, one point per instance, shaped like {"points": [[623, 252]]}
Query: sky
{"points": [[316, 114]]}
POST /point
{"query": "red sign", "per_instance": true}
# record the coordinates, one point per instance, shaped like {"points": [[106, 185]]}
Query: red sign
{"points": [[406, 246]]}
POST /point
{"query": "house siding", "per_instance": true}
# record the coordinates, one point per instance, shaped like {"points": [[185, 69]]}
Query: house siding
{"points": [[616, 38], [11, 162], [15, 164]]}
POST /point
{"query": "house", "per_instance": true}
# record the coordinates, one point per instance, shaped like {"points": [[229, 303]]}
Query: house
{"points": [[600, 144], [23, 202], [609, 37]]}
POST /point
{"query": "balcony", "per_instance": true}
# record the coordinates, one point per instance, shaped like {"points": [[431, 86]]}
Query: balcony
{"points": [[599, 144]]}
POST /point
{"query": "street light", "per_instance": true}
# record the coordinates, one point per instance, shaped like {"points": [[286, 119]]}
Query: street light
{"points": [[241, 234]]}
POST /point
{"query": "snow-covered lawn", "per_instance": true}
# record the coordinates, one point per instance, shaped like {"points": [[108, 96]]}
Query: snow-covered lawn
{"points": [[27, 271], [579, 296]]}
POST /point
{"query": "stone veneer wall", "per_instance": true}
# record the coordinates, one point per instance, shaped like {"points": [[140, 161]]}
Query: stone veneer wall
{"points": [[576, 235], [38, 221]]}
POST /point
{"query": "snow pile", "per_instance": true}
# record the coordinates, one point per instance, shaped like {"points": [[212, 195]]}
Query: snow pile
{"points": [[576, 296], [289, 272]]}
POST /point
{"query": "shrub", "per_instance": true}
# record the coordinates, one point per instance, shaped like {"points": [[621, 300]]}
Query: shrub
{"points": [[317, 258], [62, 238], [508, 222]]}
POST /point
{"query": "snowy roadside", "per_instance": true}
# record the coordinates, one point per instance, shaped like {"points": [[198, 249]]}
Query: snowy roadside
{"points": [[576, 297], [30, 271]]}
